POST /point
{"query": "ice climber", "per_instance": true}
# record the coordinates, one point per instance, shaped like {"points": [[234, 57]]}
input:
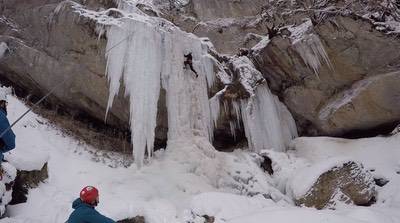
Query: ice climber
{"points": [[84, 208], [189, 62], [7, 140]]}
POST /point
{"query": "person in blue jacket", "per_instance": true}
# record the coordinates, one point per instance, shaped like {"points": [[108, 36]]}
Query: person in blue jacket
{"points": [[7, 139], [84, 208]]}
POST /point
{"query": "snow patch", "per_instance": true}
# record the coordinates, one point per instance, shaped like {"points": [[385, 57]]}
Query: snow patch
{"points": [[261, 45]]}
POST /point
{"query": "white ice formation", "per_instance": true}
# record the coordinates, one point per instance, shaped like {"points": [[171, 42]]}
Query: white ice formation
{"points": [[309, 46], [147, 53], [3, 49]]}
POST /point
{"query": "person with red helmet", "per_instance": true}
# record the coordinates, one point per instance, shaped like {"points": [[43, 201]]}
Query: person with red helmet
{"points": [[84, 208]]}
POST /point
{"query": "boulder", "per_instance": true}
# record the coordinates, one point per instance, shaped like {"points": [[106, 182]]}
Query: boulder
{"points": [[368, 103], [26, 180], [355, 52], [346, 182]]}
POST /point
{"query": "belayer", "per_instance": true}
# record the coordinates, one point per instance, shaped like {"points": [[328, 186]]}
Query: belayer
{"points": [[84, 208], [7, 140], [189, 62]]}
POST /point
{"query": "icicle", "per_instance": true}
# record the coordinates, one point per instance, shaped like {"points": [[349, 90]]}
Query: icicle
{"points": [[233, 129], [129, 60], [309, 46], [236, 108], [116, 59], [3, 49], [313, 52], [215, 108]]}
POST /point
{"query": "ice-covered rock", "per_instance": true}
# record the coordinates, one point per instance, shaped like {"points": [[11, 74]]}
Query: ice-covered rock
{"points": [[325, 184]]}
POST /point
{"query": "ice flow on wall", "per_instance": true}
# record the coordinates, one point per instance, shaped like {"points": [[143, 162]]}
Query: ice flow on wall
{"points": [[267, 122], [147, 53]]}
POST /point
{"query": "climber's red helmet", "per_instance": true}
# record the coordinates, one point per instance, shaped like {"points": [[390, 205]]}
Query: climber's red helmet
{"points": [[90, 195]]}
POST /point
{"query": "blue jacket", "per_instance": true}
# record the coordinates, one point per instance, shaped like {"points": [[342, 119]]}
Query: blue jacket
{"points": [[85, 213], [9, 137]]}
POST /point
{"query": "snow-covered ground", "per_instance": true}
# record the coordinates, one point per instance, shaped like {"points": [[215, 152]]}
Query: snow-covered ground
{"points": [[185, 182]]}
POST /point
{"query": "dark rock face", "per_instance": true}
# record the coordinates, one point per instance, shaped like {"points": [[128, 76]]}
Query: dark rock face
{"points": [[381, 182], [209, 219], [266, 165], [349, 183], [26, 180]]}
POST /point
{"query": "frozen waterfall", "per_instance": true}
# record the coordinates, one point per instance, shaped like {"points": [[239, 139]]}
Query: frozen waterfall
{"points": [[146, 54]]}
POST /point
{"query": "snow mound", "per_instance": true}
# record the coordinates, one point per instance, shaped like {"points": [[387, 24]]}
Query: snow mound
{"points": [[27, 160]]}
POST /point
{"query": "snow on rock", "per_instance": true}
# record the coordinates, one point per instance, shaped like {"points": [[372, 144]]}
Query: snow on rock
{"points": [[309, 46], [249, 76], [3, 49], [344, 98], [9, 172], [306, 177], [328, 183], [379, 155], [24, 158], [265, 40]]}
